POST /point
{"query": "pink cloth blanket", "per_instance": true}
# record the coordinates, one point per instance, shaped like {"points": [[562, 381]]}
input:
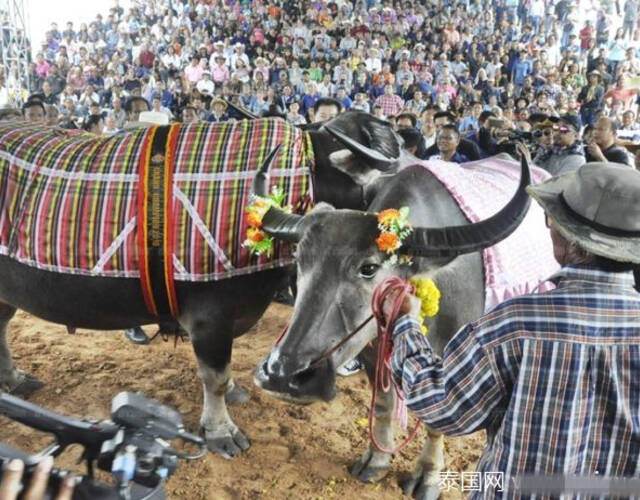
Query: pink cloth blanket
{"points": [[521, 263]]}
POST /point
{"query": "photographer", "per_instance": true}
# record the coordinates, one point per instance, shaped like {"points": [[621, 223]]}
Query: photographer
{"points": [[566, 153], [483, 137]]}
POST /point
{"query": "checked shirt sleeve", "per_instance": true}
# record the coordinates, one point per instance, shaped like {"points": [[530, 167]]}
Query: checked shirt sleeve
{"points": [[457, 394]]}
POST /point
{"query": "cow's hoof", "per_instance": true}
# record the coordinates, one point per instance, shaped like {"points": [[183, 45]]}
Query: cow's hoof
{"points": [[418, 488], [230, 445], [27, 385], [236, 395], [372, 467]]}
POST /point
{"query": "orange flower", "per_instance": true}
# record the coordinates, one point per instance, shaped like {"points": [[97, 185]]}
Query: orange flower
{"points": [[254, 220], [388, 216], [388, 242], [255, 235]]}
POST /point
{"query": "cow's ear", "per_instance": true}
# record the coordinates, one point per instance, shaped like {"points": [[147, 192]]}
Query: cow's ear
{"points": [[348, 163], [371, 140]]}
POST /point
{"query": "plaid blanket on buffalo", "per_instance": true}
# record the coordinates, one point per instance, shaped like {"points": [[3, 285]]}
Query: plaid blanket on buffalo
{"points": [[69, 201]]}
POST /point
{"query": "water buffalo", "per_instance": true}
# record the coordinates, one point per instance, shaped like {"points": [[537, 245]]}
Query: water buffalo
{"points": [[350, 153], [339, 266]]}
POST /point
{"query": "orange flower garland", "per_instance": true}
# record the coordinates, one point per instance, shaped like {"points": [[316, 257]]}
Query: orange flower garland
{"points": [[257, 241], [394, 228]]}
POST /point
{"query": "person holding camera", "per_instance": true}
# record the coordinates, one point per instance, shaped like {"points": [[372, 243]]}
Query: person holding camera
{"points": [[566, 153], [11, 483]]}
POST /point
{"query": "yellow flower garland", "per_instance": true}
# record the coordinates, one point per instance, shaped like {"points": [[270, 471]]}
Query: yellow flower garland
{"points": [[427, 291]]}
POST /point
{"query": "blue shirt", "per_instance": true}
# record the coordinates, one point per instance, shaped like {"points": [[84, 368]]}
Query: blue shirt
{"points": [[552, 377], [521, 69], [456, 158]]}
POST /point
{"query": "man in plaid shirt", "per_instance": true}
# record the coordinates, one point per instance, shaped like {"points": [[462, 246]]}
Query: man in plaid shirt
{"points": [[391, 103], [553, 378]]}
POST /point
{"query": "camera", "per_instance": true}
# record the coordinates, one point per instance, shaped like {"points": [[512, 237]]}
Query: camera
{"points": [[134, 445]]}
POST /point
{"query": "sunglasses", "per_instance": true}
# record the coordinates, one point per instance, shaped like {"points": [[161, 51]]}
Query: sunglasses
{"points": [[563, 130], [547, 132]]}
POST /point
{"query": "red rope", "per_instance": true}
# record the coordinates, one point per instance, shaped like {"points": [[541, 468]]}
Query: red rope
{"points": [[395, 289]]}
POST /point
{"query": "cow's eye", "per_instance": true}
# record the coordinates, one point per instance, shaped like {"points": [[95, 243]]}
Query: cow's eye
{"points": [[368, 271]]}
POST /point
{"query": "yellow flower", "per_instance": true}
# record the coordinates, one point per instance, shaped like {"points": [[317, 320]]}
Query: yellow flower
{"points": [[429, 295], [388, 242], [259, 203], [388, 216]]}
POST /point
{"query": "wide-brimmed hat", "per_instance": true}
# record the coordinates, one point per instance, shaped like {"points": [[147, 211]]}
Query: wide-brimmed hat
{"points": [[596, 207], [220, 100]]}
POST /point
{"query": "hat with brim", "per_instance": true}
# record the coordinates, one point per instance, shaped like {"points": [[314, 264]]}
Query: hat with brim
{"points": [[219, 100], [596, 207]]}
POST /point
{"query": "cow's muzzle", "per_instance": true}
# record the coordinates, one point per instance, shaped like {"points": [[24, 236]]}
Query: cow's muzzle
{"points": [[303, 386]]}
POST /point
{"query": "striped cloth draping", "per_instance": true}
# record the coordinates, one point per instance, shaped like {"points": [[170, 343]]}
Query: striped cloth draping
{"points": [[68, 200]]}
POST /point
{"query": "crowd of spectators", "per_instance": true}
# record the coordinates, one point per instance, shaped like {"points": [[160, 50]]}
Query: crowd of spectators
{"points": [[457, 76]]}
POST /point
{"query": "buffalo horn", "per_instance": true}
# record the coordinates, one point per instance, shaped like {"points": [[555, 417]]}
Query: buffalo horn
{"points": [[457, 240], [361, 150], [261, 180], [278, 223], [245, 113], [282, 225]]}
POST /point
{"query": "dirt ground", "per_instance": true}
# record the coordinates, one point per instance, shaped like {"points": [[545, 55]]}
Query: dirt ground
{"points": [[296, 453]]}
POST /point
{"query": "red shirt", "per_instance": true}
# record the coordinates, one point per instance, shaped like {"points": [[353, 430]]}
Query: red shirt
{"points": [[586, 34], [146, 58]]}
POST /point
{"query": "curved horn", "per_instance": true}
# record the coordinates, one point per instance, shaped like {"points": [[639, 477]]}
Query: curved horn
{"points": [[261, 180], [457, 240], [360, 149], [275, 222], [282, 225], [245, 113]]}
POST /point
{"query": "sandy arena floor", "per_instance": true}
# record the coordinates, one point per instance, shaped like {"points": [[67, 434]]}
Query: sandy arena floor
{"points": [[297, 452]]}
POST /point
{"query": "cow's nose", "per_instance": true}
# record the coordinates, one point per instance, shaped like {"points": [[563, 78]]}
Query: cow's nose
{"points": [[280, 365]]}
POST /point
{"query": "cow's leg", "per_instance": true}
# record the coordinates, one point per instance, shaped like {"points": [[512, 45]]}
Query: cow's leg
{"points": [[11, 379], [374, 464], [423, 484], [212, 341]]}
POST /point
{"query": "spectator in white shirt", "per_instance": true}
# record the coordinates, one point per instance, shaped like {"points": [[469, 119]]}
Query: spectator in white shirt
{"points": [[239, 55], [206, 86]]}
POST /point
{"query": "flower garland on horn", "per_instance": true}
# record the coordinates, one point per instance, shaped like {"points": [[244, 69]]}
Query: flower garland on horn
{"points": [[394, 228], [258, 242]]}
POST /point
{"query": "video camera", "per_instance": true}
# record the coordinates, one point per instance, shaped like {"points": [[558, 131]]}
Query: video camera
{"points": [[133, 446], [519, 135]]}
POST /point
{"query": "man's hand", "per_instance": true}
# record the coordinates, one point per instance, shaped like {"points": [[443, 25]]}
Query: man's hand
{"points": [[595, 151], [10, 484], [410, 305], [524, 152]]}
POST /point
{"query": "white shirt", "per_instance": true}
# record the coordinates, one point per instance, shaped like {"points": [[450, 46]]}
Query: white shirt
{"points": [[206, 87]]}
